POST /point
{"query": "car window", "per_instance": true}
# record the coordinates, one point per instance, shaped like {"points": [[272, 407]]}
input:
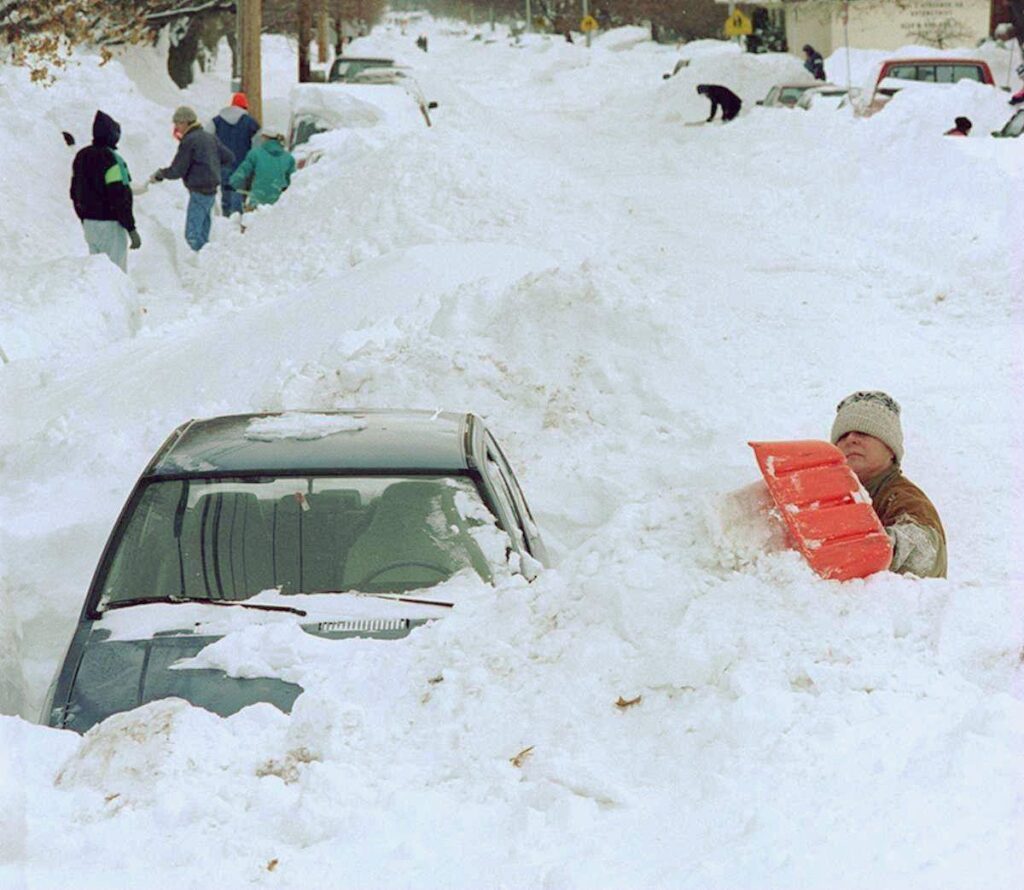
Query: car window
{"points": [[528, 525], [305, 129], [1015, 125], [231, 539], [789, 95], [901, 72], [967, 72]]}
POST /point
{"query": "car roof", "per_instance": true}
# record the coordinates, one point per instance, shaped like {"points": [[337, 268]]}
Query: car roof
{"points": [[377, 441], [383, 60], [935, 60]]}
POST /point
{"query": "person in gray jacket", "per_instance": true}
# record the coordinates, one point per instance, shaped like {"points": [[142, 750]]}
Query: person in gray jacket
{"points": [[197, 164]]}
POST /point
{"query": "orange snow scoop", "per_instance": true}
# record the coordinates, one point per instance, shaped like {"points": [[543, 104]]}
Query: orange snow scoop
{"points": [[827, 512]]}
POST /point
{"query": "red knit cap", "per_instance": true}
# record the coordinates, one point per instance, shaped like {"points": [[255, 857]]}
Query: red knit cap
{"points": [[240, 101]]}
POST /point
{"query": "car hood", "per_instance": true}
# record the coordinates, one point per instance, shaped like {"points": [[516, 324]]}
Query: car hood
{"points": [[115, 675], [119, 675]]}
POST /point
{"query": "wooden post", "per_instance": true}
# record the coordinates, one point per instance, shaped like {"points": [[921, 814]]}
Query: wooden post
{"points": [[252, 75], [321, 33], [305, 33]]}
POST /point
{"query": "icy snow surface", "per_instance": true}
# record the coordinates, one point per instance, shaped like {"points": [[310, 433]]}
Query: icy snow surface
{"points": [[680, 702], [300, 425]]}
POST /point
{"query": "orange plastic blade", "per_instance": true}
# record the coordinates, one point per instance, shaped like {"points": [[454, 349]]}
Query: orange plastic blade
{"points": [[827, 512]]}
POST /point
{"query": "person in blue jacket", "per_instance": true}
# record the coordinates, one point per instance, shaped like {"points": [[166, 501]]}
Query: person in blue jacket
{"points": [[813, 62], [266, 171], [234, 127]]}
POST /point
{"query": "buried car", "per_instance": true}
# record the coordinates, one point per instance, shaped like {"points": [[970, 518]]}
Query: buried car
{"points": [[786, 95], [348, 524]]}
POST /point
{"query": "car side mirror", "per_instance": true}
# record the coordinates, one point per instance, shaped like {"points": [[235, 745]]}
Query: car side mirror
{"points": [[431, 105]]}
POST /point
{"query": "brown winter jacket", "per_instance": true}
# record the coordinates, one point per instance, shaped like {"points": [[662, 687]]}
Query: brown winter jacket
{"points": [[912, 522]]}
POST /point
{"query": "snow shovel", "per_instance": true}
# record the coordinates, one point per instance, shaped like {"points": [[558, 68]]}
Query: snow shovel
{"points": [[827, 513]]}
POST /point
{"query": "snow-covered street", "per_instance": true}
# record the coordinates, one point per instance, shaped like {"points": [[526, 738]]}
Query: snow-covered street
{"points": [[627, 301]]}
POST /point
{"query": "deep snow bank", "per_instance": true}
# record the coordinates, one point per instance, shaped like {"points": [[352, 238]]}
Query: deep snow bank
{"points": [[627, 301]]}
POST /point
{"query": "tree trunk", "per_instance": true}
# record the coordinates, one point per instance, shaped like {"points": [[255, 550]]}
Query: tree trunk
{"points": [[305, 35]]}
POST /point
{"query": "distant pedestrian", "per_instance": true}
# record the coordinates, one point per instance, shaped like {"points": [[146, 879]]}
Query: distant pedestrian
{"points": [[421, 42], [813, 62], [102, 195], [234, 127], [723, 96], [266, 170], [197, 163], [1018, 97], [962, 127]]}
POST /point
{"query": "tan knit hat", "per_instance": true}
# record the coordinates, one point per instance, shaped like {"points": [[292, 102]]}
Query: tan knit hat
{"points": [[872, 412], [184, 115]]}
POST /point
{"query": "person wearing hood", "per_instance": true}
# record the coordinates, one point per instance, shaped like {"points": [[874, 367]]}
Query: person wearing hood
{"points": [[102, 195], [813, 62], [197, 164], [720, 96], [266, 171], [867, 431], [234, 127]]}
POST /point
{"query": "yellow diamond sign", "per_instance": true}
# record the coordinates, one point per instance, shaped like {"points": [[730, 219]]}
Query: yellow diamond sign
{"points": [[738, 24], [589, 23]]}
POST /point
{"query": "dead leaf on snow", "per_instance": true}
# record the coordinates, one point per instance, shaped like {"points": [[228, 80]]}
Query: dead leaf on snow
{"points": [[272, 865], [624, 703], [521, 757]]}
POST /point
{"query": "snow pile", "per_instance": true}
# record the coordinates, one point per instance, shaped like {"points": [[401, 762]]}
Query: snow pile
{"points": [[748, 75], [920, 110], [680, 701]]}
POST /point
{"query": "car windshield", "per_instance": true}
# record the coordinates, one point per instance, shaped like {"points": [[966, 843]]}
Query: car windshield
{"points": [[231, 539], [305, 128]]}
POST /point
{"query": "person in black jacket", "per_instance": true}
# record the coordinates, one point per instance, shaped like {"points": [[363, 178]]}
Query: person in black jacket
{"points": [[813, 62], [102, 195], [723, 96], [197, 164]]}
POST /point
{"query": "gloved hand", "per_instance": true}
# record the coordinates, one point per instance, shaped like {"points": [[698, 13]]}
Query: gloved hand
{"points": [[136, 241], [156, 177]]}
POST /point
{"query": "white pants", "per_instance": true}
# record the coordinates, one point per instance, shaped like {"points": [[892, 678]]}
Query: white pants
{"points": [[109, 237]]}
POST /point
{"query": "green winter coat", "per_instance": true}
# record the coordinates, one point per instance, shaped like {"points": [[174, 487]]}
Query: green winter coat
{"points": [[265, 173]]}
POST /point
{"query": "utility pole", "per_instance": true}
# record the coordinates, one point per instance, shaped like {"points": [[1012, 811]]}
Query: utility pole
{"points": [[305, 33], [251, 12], [586, 14], [321, 33], [529, 18]]}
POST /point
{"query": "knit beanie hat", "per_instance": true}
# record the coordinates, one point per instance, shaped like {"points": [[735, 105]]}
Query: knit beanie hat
{"points": [[240, 100], [874, 413], [184, 115]]}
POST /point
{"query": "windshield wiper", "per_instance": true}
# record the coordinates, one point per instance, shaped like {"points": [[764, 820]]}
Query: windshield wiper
{"points": [[146, 600], [393, 597]]}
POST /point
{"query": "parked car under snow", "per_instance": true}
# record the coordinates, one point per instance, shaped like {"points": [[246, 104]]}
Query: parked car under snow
{"points": [[349, 524]]}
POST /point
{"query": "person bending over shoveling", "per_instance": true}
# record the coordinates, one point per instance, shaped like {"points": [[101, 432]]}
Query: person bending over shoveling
{"points": [[867, 431], [723, 96]]}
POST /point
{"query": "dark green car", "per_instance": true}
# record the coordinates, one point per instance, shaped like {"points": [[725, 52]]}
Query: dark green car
{"points": [[316, 515]]}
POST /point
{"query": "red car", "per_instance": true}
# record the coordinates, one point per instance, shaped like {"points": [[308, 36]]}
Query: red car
{"points": [[926, 70]]}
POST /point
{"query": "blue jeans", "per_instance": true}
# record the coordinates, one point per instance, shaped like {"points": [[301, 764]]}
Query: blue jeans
{"points": [[197, 219], [230, 200]]}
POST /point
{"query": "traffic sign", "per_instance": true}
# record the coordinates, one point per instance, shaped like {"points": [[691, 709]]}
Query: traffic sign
{"points": [[588, 24], [738, 24]]}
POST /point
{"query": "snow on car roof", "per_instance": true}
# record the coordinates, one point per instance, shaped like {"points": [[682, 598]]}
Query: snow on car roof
{"points": [[357, 104], [330, 441]]}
